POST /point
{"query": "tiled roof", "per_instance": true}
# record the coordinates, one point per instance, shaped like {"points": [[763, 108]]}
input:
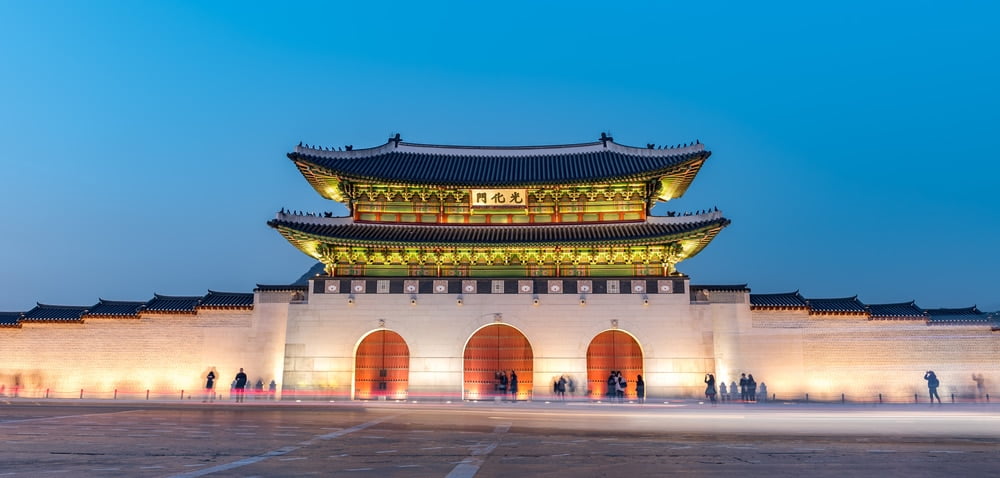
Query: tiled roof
{"points": [[498, 166], [837, 306], [227, 300], [966, 314], [721, 288], [343, 231], [166, 303], [280, 288], [786, 300], [902, 310], [10, 319], [54, 313], [116, 308]]}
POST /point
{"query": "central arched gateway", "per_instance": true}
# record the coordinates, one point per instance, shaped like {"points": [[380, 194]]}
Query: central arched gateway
{"points": [[382, 366], [612, 350], [492, 349]]}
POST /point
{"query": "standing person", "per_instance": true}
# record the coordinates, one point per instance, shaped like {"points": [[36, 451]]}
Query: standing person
{"points": [[240, 385], [763, 392], [751, 388], [710, 387], [209, 387], [513, 386], [620, 386], [561, 387], [640, 389], [932, 385], [980, 387], [502, 385], [612, 385], [258, 389], [723, 392], [743, 387], [273, 387]]}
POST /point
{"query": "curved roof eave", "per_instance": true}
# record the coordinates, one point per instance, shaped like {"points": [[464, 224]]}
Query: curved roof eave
{"points": [[309, 167], [704, 232]]}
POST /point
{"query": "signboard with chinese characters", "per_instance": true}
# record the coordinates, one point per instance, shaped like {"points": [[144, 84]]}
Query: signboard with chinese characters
{"points": [[499, 198]]}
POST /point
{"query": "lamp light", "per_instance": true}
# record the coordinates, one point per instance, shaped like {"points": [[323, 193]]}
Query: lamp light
{"points": [[350, 299]]}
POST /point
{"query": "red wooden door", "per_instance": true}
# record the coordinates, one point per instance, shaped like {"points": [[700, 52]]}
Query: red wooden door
{"points": [[612, 350], [382, 366], [497, 348]]}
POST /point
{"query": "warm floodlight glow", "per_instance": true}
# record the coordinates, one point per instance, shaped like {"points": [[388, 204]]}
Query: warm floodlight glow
{"points": [[350, 299]]}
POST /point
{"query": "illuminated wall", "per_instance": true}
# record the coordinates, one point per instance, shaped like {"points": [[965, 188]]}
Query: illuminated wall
{"points": [[160, 353], [323, 334], [311, 348], [796, 354]]}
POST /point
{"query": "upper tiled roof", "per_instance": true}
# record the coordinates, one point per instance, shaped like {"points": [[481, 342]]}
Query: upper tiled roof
{"points": [[10, 319], [789, 300], [902, 310], [54, 313], [487, 166], [166, 303], [846, 305], [227, 300], [966, 314], [342, 230], [116, 308]]}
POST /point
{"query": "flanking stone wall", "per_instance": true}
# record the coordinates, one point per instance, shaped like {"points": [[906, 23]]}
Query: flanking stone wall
{"points": [[826, 356], [162, 353]]}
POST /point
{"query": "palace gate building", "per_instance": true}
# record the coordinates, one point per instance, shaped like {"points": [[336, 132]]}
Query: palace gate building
{"points": [[457, 263]]}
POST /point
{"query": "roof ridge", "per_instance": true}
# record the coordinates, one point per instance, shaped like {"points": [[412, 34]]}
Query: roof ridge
{"points": [[120, 302], [396, 144], [52, 306], [161, 296]]}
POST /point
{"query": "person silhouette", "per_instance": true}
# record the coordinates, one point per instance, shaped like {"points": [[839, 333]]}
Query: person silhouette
{"points": [[710, 387], [932, 385]]}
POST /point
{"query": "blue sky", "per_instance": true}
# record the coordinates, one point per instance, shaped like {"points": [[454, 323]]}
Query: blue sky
{"points": [[142, 144]]}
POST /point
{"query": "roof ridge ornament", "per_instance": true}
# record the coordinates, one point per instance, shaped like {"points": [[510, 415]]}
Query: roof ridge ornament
{"points": [[605, 137], [395, 140]]}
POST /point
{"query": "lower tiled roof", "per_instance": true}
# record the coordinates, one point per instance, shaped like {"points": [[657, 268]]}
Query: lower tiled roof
{"points": [[845, 305], [721, 288], [116, 308], [902, 310], [10, 319], [786, 300], [966, 314], [166, 303], [281, 288], [227, 300], [54, 313]]}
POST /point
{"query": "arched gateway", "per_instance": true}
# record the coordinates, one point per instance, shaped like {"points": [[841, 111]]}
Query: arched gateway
{"points": [[492, 349], [612, 350], [382, 366]]}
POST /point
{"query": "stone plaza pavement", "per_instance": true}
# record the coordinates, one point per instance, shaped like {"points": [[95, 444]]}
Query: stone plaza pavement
{"points": [[486, 439]]}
